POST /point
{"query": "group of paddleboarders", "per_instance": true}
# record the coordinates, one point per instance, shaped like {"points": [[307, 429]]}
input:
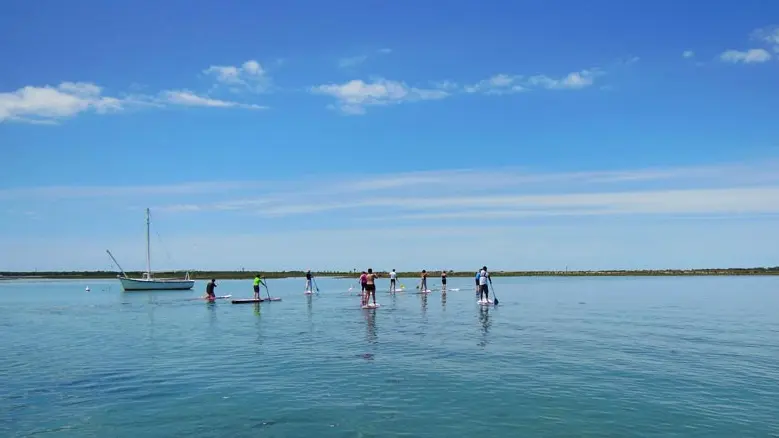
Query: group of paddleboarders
{"points": [[368, 284]]}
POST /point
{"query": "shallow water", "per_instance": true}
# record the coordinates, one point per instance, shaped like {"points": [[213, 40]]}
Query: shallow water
{"points": [[559, 357]]}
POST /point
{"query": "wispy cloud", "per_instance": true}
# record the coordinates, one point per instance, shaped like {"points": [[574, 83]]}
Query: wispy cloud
{"points": [[334, 216], [688, 54], [508, 84], [354, 61], [188, 98], [50, 105], [505, 193], [354, 96], [497, 85], [249, 76], [750, 56], [768, 36]]}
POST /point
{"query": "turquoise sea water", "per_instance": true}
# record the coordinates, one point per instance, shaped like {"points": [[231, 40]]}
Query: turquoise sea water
{"points": [[559, 357]]}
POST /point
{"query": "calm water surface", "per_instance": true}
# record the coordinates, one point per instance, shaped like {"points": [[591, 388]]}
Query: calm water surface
{"points": [[585, 357]]}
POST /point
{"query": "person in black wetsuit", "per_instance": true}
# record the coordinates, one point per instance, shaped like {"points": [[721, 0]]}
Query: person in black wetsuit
{"points": [[308, 281], [210, 290], [443, 281]]}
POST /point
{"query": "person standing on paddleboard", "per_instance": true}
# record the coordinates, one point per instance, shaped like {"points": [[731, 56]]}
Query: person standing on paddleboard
{"points": [[393, 277], [370, 287], [478, 289], [443, 281], [308, 281], [257, 282], [363, 281], [484, 276], [210, 290], [423, 284]]}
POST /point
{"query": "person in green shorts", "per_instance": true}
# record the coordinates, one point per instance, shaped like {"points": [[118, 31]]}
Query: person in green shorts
{"points": [[257, 282]]}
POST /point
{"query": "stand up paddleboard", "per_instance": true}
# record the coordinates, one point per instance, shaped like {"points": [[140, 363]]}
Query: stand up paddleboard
{"points": [[450, 290], [221, 297], [486, 302], [308, 292], [254, 300], [371, 306]]}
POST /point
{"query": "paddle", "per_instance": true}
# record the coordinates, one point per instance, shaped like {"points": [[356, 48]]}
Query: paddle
{"points": [[494, 298], [267, 291]]}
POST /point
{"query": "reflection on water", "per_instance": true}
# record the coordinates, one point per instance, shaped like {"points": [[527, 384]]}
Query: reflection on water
{"points": [[484, 318], [309, 307], [211, 313], [443, 300], [257, 309], [370, 319]]}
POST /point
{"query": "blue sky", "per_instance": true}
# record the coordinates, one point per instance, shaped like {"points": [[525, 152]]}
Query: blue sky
{"points": [[517, 134]]}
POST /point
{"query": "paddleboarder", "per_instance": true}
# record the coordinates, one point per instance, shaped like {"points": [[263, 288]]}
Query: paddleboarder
{"points": [[393, 278], [484, 276], [477, 283], [423, 284], [363, 281], [210, 290], [308, 281], [257, 282], [370, 286], [443, 281]]}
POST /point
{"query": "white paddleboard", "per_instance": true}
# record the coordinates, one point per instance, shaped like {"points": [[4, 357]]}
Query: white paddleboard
{"points": [[371, 306], [450, 290], [486, 302], [221, 297], [308, 292]]}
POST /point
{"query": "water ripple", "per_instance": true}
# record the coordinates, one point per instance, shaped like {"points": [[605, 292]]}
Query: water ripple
{"points": [[557, 358]]}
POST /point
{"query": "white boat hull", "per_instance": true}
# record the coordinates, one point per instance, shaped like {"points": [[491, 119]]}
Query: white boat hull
{"points": [[156, 284]]}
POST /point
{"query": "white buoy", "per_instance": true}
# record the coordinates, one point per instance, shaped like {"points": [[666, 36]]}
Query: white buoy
{"points": [[87, 288]]}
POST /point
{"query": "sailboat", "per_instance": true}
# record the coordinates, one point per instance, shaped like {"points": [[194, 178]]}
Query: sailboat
{"points": [[147, 280]]}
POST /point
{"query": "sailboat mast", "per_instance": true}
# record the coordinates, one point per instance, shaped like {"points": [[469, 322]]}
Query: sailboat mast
{"points": [[148, 252]]}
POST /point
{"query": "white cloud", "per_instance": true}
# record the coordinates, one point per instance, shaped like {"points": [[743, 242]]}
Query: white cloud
{"points": [[385, 51], [354, 96], [47, 104], [414, 185], [768, 35], [249, 76], [748, 57], [497, 85], [688, 54], [572, 81], [501, 84], [188, 98]]}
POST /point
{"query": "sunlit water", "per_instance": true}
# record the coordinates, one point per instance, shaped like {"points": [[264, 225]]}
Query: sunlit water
{"points": [[565, 357]]}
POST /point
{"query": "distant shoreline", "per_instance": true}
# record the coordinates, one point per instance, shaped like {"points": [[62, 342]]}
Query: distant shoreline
{"points": [[243, 275]]}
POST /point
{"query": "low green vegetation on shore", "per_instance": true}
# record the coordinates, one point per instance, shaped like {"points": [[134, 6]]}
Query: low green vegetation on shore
{"points": [[238, 275]]}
